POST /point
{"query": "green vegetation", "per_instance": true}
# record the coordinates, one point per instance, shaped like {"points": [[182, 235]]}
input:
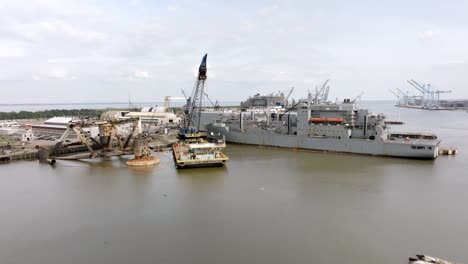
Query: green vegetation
{"points": [[74, 112], [51, 113]]}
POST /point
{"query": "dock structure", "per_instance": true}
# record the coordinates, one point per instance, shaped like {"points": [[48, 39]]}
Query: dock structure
{"points": [[447, 151], [425, 259]]}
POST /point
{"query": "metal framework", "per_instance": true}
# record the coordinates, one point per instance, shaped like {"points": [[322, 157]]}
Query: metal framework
{"points": [[195, 103]]}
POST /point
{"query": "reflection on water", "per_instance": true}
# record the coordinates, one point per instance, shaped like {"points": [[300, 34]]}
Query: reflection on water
{"points": [[266, 206]]}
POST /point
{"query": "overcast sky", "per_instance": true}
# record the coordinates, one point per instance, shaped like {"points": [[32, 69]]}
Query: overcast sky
{"points": [[63, 51]]}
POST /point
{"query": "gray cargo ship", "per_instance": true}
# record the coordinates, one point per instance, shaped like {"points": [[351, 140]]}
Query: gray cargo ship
{"points": [[326, 126]]}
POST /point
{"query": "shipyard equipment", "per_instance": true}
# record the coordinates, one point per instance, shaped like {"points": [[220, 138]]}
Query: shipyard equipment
{"points": [[105, 146], [214, 104], [196, 149], [195, 103], [321, 95], [429, 98]]}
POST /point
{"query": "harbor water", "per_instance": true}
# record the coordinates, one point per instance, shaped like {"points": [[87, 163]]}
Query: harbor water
{"points": [[266, 206]]}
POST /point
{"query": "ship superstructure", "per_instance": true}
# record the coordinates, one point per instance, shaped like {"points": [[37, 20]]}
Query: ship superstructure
{"points": [[327, 126]]}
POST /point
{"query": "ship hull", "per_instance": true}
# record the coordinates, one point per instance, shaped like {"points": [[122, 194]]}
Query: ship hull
{"points": [[358, 146]]}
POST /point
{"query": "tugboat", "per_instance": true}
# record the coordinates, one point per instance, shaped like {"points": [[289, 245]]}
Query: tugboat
{"points": [[196, 148]]}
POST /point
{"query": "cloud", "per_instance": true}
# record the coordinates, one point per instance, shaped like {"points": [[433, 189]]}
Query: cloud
{"points": [[172, 8], [11, 49], [58, 73], [141, 74], [254, 47], [264, 11], [428, 34], [36, 77], [49, 29]]}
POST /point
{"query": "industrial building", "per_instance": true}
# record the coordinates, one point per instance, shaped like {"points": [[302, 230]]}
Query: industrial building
{"points": [[56, 126]]}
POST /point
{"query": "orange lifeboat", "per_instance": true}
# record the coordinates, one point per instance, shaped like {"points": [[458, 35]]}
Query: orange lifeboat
{"points": [[335, 120], [317, 120]]}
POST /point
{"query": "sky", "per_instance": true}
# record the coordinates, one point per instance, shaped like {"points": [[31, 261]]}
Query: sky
{"points": [[65, 51]]}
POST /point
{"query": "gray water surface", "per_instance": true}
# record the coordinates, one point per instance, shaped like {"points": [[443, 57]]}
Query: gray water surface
{"points": [[267, 206]]}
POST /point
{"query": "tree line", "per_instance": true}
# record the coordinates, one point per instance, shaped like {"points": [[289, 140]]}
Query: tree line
{"points": [[51, 113]]}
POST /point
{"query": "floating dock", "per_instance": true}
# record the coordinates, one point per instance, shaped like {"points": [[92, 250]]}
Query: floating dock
{"points": [[447, 151]]}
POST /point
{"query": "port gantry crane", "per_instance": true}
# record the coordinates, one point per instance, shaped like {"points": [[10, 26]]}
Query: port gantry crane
{"points": [[195, 102], [430, 97], [321, 95]]}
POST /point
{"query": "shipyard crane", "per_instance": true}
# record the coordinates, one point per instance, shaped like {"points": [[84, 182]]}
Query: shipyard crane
{"points": [[183, 93], [195, 102], [214, 104]]}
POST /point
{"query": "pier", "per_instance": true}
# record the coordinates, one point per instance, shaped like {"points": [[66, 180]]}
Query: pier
{"points": [[447, 151]]}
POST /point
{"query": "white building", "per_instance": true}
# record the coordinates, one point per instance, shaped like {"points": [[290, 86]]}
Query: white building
{"points": [[24, 135], [148, 115], [9, 127], [56, 126]]}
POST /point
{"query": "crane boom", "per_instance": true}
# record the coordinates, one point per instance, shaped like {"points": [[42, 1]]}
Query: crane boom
{"points": [[214, 104], [418, 87], [357, 97], [196, 100], [289, 94], [183, 93], [395, 94], [325, 95]]}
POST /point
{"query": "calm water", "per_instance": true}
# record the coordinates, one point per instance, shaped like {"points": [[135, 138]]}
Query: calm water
{"points": [[266, 206]]}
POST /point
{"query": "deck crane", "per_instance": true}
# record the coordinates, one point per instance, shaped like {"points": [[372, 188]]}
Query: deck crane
{"points": [[287, 96], [326, 92], [357, 97], [195, 102]]}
